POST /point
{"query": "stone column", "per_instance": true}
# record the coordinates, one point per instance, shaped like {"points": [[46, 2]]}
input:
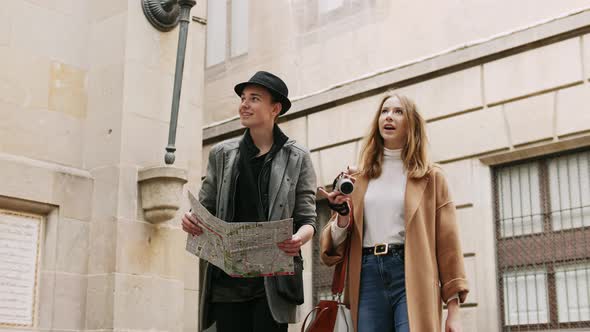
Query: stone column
{"points": [[140, 277]]}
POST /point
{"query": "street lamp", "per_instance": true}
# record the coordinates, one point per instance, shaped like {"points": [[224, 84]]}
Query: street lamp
{"points": [[160, 187], [164, 15]]}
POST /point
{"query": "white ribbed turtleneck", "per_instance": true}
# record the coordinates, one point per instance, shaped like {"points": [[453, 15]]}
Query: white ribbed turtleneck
{"points": [[384, 205], [384, 202]]}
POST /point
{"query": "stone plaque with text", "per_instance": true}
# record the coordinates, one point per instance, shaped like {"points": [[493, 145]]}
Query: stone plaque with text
{"points": [[19, 258]]}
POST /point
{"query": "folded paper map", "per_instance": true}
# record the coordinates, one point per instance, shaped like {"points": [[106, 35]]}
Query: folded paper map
{"points": [[241, 249]]}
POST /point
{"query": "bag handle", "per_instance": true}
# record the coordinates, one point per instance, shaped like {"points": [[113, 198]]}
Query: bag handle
{"points": [[341, 268], [320, 314]]}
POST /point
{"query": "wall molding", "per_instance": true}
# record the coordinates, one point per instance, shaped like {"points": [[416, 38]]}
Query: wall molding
{"points": [[536, 150]]}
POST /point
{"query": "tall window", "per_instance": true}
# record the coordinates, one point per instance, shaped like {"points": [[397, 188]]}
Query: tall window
{"points": [[317, 14], [227, 30], [543, 242]]}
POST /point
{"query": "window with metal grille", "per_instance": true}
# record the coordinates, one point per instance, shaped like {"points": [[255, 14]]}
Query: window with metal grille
{"points": [[543, 242]]}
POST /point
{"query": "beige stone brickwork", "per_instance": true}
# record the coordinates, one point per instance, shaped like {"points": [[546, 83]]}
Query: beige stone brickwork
{"points": [[533, 71], [342, 122], [85, 99], [296, 130], [460, 177], [492, 91], [471, 274], [530, 119], [447, 94], [85, 94], [315, 51], [572, 110], [586, 55], [467, 226], [468, 134]]}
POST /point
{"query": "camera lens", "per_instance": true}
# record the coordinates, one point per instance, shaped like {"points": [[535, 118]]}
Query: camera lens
{"points": [[346, 187]]}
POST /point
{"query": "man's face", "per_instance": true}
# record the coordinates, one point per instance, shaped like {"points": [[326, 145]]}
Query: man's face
{"points": [[257, 108]]}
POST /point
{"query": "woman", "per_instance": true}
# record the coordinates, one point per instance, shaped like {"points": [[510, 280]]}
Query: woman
{"points": [[405, 255]]}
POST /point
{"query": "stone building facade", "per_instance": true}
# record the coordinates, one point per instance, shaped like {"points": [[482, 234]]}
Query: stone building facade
{"points": [[85, 92], [504, 88], [85, 95]]}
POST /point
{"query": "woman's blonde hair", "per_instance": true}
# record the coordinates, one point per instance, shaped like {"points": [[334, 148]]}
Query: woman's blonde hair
{"points": [[414, 154]]}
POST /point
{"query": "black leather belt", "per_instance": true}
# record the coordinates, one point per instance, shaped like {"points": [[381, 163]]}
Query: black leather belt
{"points": [[383, 249]]}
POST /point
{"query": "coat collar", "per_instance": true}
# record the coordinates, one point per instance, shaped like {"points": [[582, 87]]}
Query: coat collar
{"points": [[249, 149], [358, 197]]}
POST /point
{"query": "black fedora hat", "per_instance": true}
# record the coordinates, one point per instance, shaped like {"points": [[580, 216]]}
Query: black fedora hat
{"points": [[274, 84]]}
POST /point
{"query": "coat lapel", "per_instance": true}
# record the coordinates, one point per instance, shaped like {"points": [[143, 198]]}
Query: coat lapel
{"points": [[230, 169], [358, 199], [277, 174], [413, 196]]}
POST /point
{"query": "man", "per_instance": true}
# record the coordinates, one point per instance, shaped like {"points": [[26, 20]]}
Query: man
{"points": [[259, 177]]}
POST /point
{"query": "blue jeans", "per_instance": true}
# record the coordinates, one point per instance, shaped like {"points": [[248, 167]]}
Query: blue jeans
{"points": [[382, 302]]}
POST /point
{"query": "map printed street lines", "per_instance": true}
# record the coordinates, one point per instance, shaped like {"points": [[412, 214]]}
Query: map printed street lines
{"points": [[241, 249]]}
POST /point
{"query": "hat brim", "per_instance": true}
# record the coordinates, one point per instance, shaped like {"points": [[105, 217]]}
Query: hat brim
{"points": [[285, 102]]}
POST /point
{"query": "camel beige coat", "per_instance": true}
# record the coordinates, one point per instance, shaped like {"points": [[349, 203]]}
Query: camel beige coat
{"points": [[433, 258]]}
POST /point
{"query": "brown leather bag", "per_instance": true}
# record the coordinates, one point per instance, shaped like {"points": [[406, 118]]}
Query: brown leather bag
{"points": [[333, 315]]}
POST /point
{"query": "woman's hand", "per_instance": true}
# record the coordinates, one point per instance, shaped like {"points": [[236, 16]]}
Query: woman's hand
{"points": [[335, 197], [338, 201], [190, 224], [453, 323]]}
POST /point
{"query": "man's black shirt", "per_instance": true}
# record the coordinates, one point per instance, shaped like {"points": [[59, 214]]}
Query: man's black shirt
{"points": [[250, 205]]}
